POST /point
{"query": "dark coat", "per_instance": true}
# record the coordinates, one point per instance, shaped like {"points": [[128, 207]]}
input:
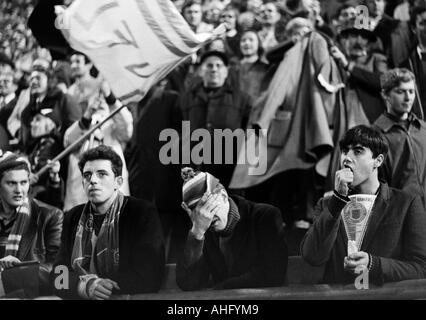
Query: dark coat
{"points": [[40, 242], [64, 107], [141, 249], [257, 246], [405, 165], [395, 238]]}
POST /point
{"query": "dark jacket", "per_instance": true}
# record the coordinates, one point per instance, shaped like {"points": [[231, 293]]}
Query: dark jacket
{"points": [[141, 249], [405, 165], [394, 237], [40, 242], [64, 107], [256, 246]]}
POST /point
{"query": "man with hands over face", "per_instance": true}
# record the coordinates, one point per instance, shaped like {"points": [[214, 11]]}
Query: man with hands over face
{"points": [[393, 247], [235, 242]]}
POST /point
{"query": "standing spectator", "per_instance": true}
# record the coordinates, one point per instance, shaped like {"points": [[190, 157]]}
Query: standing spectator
{"points": [[251, 70], [193, 14], [363, 69], [115, 133], [229, 16], [270, 16], [405, 168], [216, 104]]}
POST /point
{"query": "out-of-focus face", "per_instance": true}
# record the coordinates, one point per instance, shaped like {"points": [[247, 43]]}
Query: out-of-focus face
{"points": [[249, 44], [14, 186], [421, 27], [217, 45], [38, 83], [41, 126], [220, 220], [214, 72], [79, 68], [360, 161], [193, 15], [400, 99], [347, 15], [355, 46], [270, 14], [99, 181], [376, 8], [230, 18], [7, 86]]}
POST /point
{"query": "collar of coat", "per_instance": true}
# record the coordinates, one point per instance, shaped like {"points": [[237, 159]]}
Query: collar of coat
{"points": [[385, 123]]}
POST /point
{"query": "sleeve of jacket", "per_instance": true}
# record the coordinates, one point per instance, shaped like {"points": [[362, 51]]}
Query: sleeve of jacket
{"points": [[412, 265], [73, 133], [367, 79], [145, 271], [71, 112], [318, 242], [192, 271], [62, 278], [52, 240], [271, 266], [123, 125]]}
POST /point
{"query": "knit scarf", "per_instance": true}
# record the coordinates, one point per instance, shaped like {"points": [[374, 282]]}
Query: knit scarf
{"points": [[18, 229], [104, 249]]}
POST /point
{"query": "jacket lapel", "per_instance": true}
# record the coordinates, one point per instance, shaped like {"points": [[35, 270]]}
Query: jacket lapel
{"points": [[29, 234], [377, 214]]}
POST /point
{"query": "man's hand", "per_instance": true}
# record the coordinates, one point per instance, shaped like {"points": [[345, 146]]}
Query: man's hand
{"points": [[101, 289], [342, 181], [356, 261], [339, 56], [203, 214], [8, 262]]}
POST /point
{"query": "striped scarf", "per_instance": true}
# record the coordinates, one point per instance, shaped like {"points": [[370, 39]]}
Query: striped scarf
{"points": [[104, 248], [18, 229]]}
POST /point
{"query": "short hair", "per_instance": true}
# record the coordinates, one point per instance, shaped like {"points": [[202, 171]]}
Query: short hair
{"points": [[102, 152], [189, 3], [394, 77], [414, 12], [367, 137], [86, 58], [11, 161]]}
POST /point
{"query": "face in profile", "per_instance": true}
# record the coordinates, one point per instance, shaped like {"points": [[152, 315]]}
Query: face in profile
{"points": [[99, 181], [41, 126]]}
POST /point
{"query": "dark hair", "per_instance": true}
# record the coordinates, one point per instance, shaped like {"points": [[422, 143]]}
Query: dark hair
{"points": [[86, 58], [367, 137], [189, 3], [20, 166], [414, 12], [102, 152]]}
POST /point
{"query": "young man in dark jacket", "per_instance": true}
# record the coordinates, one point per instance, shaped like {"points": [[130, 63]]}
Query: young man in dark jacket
{"points": [[239, 243], [112, 243], [391, 246]]}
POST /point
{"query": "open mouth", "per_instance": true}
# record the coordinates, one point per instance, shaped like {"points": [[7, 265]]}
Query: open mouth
{"points": [[349, 167]]}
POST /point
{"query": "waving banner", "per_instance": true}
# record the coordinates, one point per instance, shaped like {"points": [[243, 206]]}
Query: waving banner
{"points": [[133, 43]]}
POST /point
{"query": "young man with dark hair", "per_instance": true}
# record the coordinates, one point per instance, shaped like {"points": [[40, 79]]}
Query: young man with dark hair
{"points": [[405, 167], [366, 226], [113, 244], [29, 231]]}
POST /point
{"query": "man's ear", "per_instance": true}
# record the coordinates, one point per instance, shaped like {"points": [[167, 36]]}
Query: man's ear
{"points": [[119, 182], [379, 160]]}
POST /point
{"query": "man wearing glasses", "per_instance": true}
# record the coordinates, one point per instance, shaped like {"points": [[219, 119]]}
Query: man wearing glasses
{"points": [[112, 244]]}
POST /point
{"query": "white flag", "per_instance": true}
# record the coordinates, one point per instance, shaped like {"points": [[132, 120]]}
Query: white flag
{"points": [[133, 43]]}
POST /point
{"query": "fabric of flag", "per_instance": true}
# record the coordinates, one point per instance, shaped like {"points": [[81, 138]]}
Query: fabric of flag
{"points": [[134, 43]]}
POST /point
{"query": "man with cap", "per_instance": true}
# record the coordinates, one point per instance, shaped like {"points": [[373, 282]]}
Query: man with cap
{"points": [[216, 103], [238, 243], [363, 68], [44, 96], [30, 230]]}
